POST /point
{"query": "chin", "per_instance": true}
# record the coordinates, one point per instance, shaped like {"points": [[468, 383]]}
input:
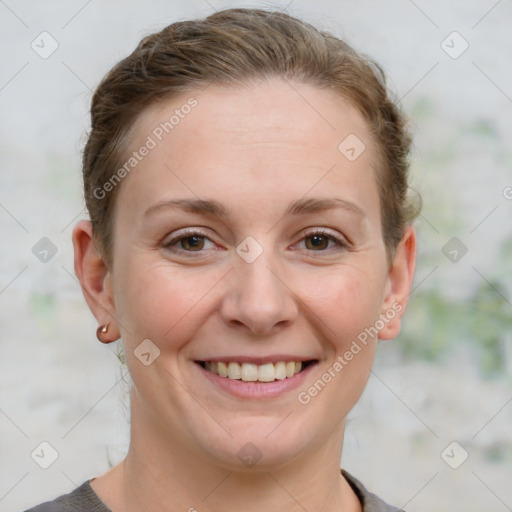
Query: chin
{"points": [[256, 447]]}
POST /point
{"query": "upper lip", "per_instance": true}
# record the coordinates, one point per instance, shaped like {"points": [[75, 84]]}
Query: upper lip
{"points": [[258, 360]]}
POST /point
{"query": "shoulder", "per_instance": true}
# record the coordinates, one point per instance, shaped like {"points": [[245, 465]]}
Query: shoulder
{"points": [[82, 499], [370, 502]]}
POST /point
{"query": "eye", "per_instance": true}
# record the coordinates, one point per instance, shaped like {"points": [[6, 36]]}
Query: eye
{"points": [[192, 243], [320, 241], [189, 241]]}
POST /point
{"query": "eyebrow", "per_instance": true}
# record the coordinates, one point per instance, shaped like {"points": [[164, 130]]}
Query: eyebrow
{"points": [[214, 208], [201, 206]]}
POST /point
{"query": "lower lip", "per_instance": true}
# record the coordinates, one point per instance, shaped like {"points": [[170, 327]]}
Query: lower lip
{"points": [[242, 389]]}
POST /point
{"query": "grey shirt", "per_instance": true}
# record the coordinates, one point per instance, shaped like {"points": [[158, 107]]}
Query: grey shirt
{"points": [[84, 499]]}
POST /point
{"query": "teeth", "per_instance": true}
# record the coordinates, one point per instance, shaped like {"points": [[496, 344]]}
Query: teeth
{"points": [[222, 368], [249, 372], [266, 372], [280, 370], [234, 371]]}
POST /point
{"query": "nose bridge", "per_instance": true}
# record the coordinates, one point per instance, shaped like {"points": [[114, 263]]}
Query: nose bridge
{"points": [[260, 279], [257, 296]]}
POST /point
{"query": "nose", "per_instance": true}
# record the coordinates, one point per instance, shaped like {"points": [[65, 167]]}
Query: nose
{"points": [[257, 298]]}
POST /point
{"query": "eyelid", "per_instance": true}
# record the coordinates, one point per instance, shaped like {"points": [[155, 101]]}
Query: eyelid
{"points": [[184, 233], [187, 231], [341, 241]]}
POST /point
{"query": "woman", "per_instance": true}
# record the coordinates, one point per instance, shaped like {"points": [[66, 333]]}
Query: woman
{"points": [[250, 241]]}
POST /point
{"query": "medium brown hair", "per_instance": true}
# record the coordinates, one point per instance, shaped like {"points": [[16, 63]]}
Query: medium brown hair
{"points": [[233, 47]]}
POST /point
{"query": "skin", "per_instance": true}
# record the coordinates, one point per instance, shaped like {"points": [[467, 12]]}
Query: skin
{"points": [[254, 149]]}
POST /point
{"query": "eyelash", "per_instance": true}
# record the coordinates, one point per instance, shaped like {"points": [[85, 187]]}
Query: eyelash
{"points": [[341, 244]]}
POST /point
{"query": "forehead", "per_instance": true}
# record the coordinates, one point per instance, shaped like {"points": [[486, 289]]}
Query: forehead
{"points": [[255, 111], [261, 136]]}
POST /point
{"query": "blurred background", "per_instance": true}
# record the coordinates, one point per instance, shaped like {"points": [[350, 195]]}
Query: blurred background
{"points": [[433, 429]]}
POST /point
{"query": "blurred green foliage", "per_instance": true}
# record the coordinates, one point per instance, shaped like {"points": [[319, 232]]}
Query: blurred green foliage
{"points": [[478, 323], [435, 326]]}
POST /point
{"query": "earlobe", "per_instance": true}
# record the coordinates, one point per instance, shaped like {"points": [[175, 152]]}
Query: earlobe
{"points": [[400, 278], [94, 277]]}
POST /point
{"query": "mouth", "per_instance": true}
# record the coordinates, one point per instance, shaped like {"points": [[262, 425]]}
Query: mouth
{"points": [[251, 372]]}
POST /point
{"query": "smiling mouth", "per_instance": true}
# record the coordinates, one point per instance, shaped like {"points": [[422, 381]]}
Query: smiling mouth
{"points": [[249, 372]]}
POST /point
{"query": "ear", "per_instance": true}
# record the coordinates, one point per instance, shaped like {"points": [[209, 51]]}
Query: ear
{"points": [[398, 286], [95, 279]]}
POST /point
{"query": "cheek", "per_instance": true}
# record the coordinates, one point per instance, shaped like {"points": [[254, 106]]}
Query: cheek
{"points": [[348, 313], [346, 301], [159, 304]]}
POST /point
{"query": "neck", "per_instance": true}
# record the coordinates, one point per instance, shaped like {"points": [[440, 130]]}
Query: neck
{"points": [[167, 474]]}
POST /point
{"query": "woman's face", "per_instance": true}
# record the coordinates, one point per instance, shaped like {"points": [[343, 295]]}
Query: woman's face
{"points": [[246, 234]]}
